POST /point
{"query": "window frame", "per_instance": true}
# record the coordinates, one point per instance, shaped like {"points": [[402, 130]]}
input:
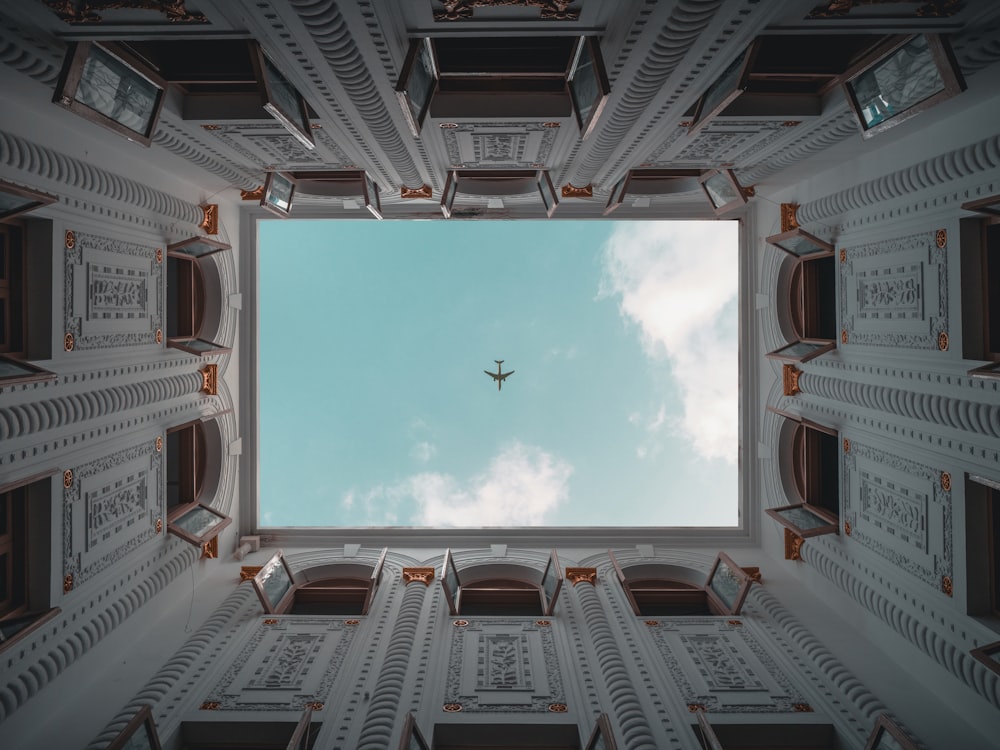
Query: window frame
{"points": [[413, 58], [983, 205], [183, 343], [296, 123], [267, 195], [884, 725], [454, 598], [143, 720], [622, 188], [300, 737], [942, 57], [543, 185], [71, 75], [36, 199], [601, 83], [34, 373], [451, 597], [179, 249], [602, 733], [824, 247], [275, 562], [348, 182], [807, 289], [411, 738], [822, 347], [208, 535], [745, 582], [742, 194], [989, 370], [711, 741], [733, 88]]}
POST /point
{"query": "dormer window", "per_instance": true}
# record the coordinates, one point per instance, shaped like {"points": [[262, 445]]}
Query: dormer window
{"points": [[501, 589]]}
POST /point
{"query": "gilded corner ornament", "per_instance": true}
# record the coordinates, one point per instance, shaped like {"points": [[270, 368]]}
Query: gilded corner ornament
{"points": [[847, 528], [252, 195], [735, 623], [793, 545], [159, 525], [352, 622], [461, 623], [210, 706], [210, 380], [419, 575], [69, 342], [802, 708], [572, 191], [753, 572], [67, 583], [159, 335], [81, 12], [68, 478], [159, 255], [158, 443], [452, 708], [843, 336], [696, 707], [946, 585], [558, 708], [247, 572], [790, 380], [946, 481], [543, 623], [209, 218], [210, 549], [942, 341], [70, 239], [843, 255], [941, 238], [408, 193], [582, 575], [315, 705], [789, 218], [847, 445]]}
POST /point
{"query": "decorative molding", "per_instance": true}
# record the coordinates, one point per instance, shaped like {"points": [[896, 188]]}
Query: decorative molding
{"points": [[498, 144], [452, 708], [582, 575], [790, 380], [571, 191], [789, 220], [418, 575], [252, 195], [69, 342], [158, 443], [78, 12], [210, 380], [70, 239], [929, 9], [68, 478], [249, 571], [755, 575], [793, 545], [67, 583], [424, 191], [549, 10], [210, 218], [210, 549]]}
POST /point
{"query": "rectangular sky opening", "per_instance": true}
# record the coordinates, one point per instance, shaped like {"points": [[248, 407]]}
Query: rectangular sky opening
{"points": [[622, 409]]}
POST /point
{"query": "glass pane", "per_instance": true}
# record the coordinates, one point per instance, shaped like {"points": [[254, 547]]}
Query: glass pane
{"points": [[283, 94], [721, 190], [195, 249], [906, 77], [280, 194], [799, 349], [420, 84], [723, 86], [549, 582], [197, 521], [199, 345], [886, 741], [140, 740], [451, 578], [10, 368], [803, 518], [10, 203], [276, 583], [585, 85], [726, 584], [108, 86], [800, 246]]}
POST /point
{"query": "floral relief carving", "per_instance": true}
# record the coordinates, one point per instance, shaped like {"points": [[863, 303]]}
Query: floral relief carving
{"points": [[498, 144]]}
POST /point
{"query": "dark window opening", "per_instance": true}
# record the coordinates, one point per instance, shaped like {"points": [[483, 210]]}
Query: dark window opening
{"points": [[331, 596], [501, 597], [818, 468], [186, 297], [13, 320], [185, 465], [813, 300], [993, 555], [13, 555], [991, 291], [534, 56], [666, 598]]}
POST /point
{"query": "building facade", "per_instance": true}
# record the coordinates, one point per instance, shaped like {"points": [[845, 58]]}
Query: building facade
{"points": [[857, 145]]}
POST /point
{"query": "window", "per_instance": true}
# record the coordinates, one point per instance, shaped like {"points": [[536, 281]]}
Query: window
{"points": [[781, 76], [724, 191], [501, 589], [727, 736], [497, 76], [139, 734], [980, 268], [982, 546], [412, 738], [17, 199], [186, 295], [652, 182], [812, 300], [499, 182], [283, 592], [660, 591], [226, 79], [342, 183], [814, 456], [887, 735], [259, 735], [108, 85], [602, 738], [901, 79], [25, 523], [13, 320], [456, 735], [187, 516], [279, 191]]}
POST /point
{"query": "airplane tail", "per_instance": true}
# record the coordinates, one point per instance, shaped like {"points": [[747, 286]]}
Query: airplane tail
{"points": [[498, 361]]}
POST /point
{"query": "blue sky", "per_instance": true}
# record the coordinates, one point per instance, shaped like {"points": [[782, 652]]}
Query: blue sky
{"points": [[375, 410]]}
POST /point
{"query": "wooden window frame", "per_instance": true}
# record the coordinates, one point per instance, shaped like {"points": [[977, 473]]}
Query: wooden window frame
{"points": [[295, 122], [72, 73], [732, 86], [341, 183], [635, 177], [742, 194], [193, 500], [886, 726], [287, 601], [300, 737], [411, 737], [202, 539], [988, 206], [415, 116], [823, 247], [183, 249], [602, 733], [941, 56], [267, 196], [989, 370], [185, 345], [600, 80], [33, 199], [805, 294], [142, 721], [32, 374], [13, 287], [453, 598], [822, 347], [714, 599]]}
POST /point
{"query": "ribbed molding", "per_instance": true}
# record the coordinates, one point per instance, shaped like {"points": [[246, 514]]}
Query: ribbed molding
{"points": [[19, 153], [683, 27], [977, 47], [41, 62], [629, 714], [86, 633], [818, 138], [843, 680], [946, 411], [181, 145], [333, 38], [928, 174], [192, 653], [388, 693], [38, 416], [917, 630]]}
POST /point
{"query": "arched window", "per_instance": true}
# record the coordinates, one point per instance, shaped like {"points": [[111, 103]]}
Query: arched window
{"points": [[193, 449], [501, 589], [283, 592], [497, 183], [812, 456], [187, 298], [659, 590], [981, 284]]}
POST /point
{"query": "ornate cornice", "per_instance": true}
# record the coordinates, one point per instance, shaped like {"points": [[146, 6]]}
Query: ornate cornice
{"points": [[418, 575], [582, 575]]}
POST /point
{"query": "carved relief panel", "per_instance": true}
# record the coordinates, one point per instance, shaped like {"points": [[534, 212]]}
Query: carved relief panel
{"points": [[110, 508], [285, 664], [721, 665], [504, 145], [720, 143], [266, 144], [503, 665], [113, 292], [895, 292], [900, 510]]}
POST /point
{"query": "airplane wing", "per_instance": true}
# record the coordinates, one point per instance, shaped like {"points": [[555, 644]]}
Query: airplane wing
{"points": [[492, 374], [503, 375]]}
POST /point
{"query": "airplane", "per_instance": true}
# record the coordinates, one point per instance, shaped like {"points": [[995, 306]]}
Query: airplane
{"points": [[498, 375]]}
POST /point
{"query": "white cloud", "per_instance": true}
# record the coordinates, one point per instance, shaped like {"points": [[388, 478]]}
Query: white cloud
{"points": [[679, 282], [423, 451], [522, 486]]}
